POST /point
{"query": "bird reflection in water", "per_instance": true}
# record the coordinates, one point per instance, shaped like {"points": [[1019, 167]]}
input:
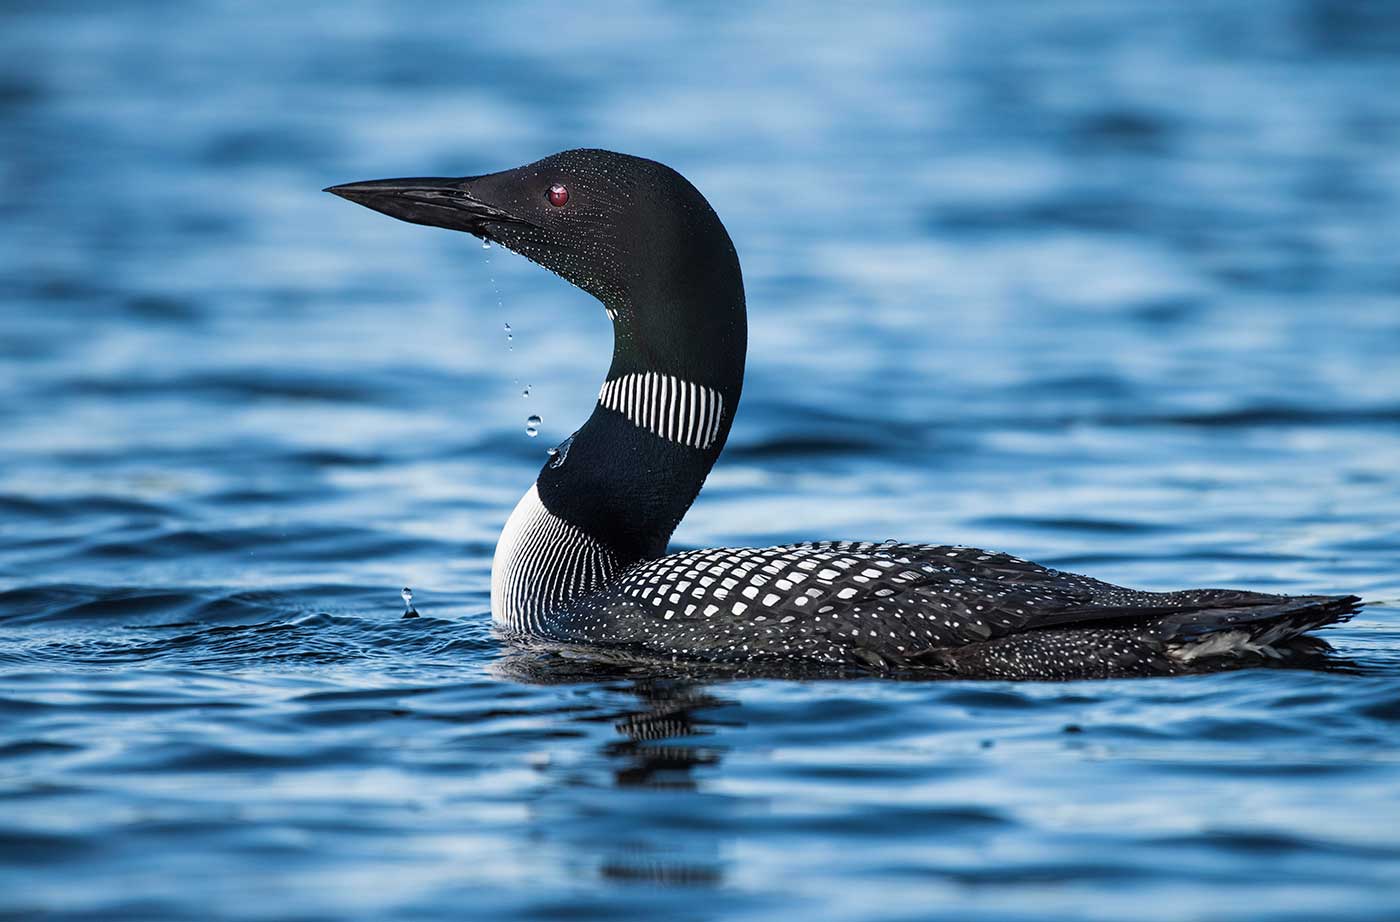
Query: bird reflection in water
{"points": [[671, 832]]}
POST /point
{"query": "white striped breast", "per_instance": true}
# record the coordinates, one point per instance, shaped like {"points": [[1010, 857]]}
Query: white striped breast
{"points": [[676, 410], [541, 564]]}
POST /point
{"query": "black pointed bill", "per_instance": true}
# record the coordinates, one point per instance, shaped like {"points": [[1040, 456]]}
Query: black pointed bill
{"points": [[432, 201]]}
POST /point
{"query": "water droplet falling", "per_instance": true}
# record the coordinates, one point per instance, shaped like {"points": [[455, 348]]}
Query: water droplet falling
{"points": [[408, 610], [532, 425], [486, 244], [526, 392]]}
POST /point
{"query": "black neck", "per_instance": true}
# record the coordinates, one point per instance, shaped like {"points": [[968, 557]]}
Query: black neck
{"points": [[619, 481]]}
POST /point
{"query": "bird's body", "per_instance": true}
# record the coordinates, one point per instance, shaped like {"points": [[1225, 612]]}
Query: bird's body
{"points": [[836, 606], [582, 559]]}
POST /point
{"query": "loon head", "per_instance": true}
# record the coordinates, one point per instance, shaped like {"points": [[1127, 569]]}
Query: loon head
{"points": [[632, 232], [640, 238]]}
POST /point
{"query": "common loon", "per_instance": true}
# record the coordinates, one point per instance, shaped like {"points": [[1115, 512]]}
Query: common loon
{"points": [[582, 559]]}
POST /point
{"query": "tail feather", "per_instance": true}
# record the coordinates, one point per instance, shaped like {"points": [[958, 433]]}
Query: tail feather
{"points": [[1198, 640], [1257, 631]]}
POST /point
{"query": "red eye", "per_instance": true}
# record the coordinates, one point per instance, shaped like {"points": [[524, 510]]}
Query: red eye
{"points": [[558, 195]]}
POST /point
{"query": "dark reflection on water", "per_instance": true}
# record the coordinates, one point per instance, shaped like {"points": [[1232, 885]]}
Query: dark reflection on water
{"points": [[378, 753], [1111, 286]]}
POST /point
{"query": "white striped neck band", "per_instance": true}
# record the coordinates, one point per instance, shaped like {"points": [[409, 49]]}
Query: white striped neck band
{"points": [[664, 405]]}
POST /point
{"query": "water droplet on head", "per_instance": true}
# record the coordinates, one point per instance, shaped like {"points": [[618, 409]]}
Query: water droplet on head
{"points": [[486, 244], [532, 425], [560, 453]]}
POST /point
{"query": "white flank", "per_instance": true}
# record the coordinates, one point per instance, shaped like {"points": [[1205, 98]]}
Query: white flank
{"points": [[541, 564], [1234, 643]]}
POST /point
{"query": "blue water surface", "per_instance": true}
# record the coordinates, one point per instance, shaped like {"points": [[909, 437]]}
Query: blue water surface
{"points": [[1113, 286]]}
